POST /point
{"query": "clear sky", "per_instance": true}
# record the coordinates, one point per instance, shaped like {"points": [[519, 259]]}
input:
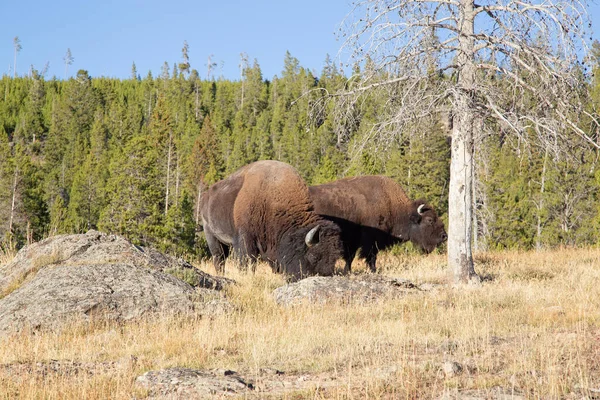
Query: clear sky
{"points": [[106, 37]]}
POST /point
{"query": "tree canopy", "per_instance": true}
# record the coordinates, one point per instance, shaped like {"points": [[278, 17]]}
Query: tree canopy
{"points": [[132, 156]]}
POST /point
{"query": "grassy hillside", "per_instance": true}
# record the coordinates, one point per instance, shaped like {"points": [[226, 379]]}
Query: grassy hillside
{"points": [[533, 327]]}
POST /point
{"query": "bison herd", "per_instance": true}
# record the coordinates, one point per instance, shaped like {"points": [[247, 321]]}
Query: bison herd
{"points": [[266, 211]]}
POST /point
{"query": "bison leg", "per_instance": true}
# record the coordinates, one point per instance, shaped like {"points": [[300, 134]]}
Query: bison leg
{"points": [[348, 257], [351, 241], [369, 252], [369, 247], [349, 253], [371, 259], [348, 266], [246, 252], [218, 250]]}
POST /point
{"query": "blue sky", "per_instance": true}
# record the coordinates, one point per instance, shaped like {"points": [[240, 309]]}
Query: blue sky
{"points": [[106, 37]]}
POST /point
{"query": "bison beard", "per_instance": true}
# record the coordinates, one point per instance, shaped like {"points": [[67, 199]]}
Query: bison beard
{"points": [[263, 210], [374, 213]]}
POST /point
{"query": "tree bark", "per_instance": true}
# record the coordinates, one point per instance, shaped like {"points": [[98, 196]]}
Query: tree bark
{"points": [[460, 217], [177, 181], [197, 108], [198, 203], [168, 176], [14, 196], [540, 206], [475, 228]]}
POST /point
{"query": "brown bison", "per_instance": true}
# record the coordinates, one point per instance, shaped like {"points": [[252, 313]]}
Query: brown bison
{"points": [[264, 210], [374, 213]]}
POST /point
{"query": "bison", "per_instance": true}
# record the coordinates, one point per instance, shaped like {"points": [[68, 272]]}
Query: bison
{"points": [[263, 210], [374, 213]]}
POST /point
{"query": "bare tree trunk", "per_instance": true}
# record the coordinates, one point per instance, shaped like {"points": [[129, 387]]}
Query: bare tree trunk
{"points": [[460, 219], [540, 206], [243, 65], [168, 176], [29, 233], [198, 203], [409, 173], [478, 129], [89, 202], [242, 102], [197, 108], [460, 204], [474, 208], [14, 196], [62, 174], [177, 181]]}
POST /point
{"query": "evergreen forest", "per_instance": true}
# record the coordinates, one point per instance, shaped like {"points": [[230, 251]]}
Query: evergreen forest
{"points": [[133, 156]]}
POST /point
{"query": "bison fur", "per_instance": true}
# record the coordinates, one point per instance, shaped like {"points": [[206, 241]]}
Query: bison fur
{"points": [[263, 210], [375, 213]]}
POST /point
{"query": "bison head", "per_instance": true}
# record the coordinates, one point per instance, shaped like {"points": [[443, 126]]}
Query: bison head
{"points": [[311, 250], [426, 229]]}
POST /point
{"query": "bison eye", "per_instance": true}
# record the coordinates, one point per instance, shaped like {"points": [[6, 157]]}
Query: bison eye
{"points": [[429, 221]]}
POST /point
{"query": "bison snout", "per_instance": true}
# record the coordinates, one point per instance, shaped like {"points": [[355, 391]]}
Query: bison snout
{"points": [[444, 237]]}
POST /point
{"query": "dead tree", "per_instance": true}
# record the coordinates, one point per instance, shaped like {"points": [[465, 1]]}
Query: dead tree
{"points": [[509, 63]]}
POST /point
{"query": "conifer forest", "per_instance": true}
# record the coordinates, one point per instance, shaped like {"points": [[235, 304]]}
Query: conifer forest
{"points": [[133, 156]]}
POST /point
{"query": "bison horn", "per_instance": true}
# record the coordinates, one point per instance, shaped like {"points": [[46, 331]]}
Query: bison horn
{"points": [[312, 236], [421, 210]]}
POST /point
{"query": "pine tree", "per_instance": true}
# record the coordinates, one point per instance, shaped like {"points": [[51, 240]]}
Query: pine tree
{"points": [[86, 198], [509, 199], [17, 46], [422, 164], [330, 167], [134, 73], [184, 65], [136, 193], [30, 217], [204, 164], [6, 185], [179, 229], [161, 136], [31, 127], [134, 156], [68, 59]]}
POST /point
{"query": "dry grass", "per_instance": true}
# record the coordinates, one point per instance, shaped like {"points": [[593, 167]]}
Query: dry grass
{"points": [[7, 253], [533, 327]]}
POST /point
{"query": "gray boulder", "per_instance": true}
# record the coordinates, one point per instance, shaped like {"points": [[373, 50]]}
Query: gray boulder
{"points": [[494, 393], [185, 383], [95, 247], [82, 277], [355, 288], [59, 294], [266, 383]]}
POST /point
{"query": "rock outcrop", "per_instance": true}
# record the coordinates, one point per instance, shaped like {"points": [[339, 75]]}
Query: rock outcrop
{"points": [[95, 247], [185, 383], [94, 275], [354, 288]]}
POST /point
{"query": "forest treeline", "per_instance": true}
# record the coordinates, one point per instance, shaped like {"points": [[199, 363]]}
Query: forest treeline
{"points": [[133, 156]]}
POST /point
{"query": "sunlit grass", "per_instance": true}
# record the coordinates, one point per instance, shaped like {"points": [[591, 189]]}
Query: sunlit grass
{"points": [[532, 327], [7, 253]]}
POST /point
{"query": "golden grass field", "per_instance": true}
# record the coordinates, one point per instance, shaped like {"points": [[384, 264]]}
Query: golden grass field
{"points": [[532, 328]]}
